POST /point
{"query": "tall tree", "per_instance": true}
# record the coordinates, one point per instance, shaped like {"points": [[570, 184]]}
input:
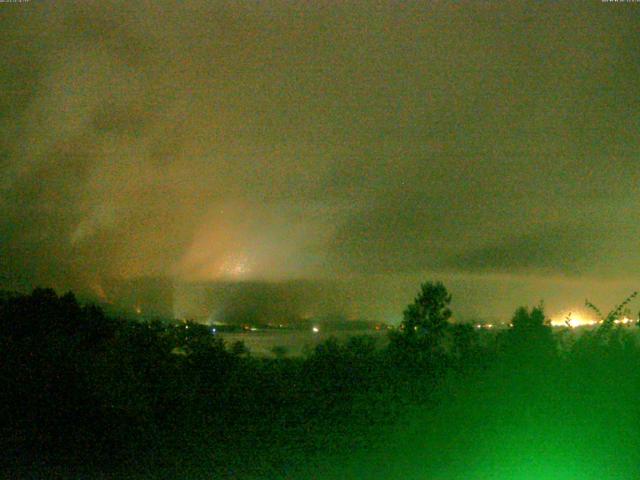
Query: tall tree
{"points": [[429, 314], [424, 324]]}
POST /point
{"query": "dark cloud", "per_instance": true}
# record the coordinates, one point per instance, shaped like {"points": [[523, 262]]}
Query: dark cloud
{"points": [[547, 251]]}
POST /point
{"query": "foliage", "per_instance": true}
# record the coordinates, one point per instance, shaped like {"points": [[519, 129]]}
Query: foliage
{"points": [[428, 315], [280, 351], [608, 320], [419, 339], [80, 388], [529, 339]]}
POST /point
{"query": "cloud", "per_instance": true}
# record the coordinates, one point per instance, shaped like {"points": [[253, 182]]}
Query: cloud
{"points": [[338, 140], [547, 251]]}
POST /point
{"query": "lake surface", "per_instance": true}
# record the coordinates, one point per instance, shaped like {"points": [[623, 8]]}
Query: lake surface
{"points": [[295, 342]]}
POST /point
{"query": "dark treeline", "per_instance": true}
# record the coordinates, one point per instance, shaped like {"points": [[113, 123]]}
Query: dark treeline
{"points": [[88, 396]]}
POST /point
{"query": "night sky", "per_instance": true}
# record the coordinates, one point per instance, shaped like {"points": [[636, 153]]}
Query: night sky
{"points": [[493, 145]]}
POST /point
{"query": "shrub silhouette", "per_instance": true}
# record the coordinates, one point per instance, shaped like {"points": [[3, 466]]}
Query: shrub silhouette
{"points": [[530, 338]]}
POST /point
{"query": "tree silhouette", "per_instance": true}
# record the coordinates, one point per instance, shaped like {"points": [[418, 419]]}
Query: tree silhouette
{"points": [[424, 324], [428, 315], [464, 344], [530, 336]]}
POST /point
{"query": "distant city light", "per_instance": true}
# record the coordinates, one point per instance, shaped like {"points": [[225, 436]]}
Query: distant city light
{"points": [[234, 266], [484, 325], [573, 320], [625, 321], [578, 319]]}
